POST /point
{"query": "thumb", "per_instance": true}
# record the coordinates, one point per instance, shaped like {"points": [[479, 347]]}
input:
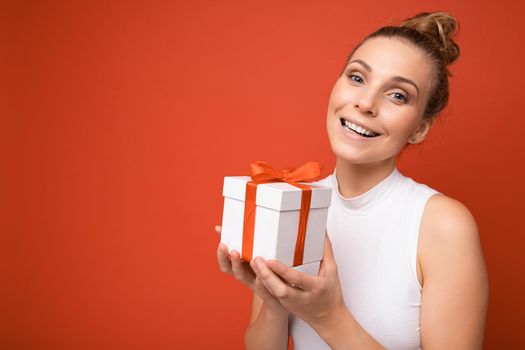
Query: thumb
{"points": [[328, 253], [328, 257]]}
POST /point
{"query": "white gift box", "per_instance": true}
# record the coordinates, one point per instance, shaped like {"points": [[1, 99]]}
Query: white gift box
{"points": [[276, 220]]}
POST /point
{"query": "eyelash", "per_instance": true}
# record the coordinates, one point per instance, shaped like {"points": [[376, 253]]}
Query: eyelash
{"points": [[403, 98]]}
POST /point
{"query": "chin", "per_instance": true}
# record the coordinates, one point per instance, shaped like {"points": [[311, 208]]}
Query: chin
{"points": [[346, 153]]}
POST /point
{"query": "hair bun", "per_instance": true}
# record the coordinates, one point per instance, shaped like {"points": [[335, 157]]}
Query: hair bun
{"points": [[439, 27]]}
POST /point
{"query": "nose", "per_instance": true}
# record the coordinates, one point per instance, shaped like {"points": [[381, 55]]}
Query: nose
{"points": [[366, 104]]}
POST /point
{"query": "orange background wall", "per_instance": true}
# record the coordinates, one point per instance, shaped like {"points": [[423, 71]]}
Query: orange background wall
{"points": [[120, 120]]}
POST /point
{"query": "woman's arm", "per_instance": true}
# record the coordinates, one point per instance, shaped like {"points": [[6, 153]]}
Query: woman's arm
{"points": [[454, 278], [268, 326]]}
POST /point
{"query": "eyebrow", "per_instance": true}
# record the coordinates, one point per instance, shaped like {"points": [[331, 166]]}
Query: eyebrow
{"points": [[396, 78]]}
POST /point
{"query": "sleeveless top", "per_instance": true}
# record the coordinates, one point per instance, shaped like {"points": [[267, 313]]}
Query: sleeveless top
{"points": [[374, 238]]}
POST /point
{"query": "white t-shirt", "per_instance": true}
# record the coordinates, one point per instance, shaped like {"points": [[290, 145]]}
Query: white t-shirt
{"points": [[374, 238]]}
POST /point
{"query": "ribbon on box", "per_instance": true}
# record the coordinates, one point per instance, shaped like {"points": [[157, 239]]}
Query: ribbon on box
{"points": [[261, 173]]}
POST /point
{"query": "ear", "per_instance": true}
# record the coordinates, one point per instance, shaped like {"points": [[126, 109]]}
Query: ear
{"points": [[422, 130]]}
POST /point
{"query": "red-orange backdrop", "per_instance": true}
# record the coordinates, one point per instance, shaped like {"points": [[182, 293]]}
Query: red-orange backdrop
{"points": [[121, 119]]}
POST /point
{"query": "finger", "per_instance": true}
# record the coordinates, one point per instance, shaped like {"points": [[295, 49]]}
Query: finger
{"points": [[294, 278], [271, 281], [239, 269], [260, 289], [218, 229], [223, 259]]}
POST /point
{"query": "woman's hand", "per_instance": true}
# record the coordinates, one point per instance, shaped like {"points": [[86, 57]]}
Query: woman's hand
{"points": [[318, 300], [232, 264]]}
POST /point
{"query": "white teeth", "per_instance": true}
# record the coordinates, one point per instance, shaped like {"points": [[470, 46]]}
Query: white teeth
{"points": [[358, 129]]}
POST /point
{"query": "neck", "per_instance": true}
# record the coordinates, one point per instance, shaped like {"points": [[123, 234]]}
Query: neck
{"points": [[356, 179]]}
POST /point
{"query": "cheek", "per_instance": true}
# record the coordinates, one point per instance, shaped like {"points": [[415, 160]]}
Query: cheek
{"points": [[401, 122], [339, 96]]}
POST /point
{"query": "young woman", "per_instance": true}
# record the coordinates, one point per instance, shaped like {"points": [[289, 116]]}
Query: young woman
{"points": [[403, 266]]}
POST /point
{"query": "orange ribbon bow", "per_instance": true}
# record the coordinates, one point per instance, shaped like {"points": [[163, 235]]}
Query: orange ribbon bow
{"points": [[262, 172]]}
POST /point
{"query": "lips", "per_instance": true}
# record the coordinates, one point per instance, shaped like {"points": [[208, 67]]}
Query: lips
{"points": [[358, 129]]}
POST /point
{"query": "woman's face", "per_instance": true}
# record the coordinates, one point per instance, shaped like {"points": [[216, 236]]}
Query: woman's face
{"points": [[381, 94]]}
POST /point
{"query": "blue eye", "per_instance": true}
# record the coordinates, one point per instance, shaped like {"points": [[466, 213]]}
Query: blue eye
{"points": [[400, 97]]}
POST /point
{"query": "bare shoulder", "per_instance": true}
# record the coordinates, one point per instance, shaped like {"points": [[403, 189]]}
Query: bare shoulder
{"points": [[449, 216], [448, 236]]}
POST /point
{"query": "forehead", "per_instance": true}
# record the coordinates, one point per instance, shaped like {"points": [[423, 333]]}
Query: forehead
{"points": [[390, 57]]}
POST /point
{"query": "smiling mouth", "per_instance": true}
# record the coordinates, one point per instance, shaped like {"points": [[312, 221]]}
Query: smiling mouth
{"points": [[349, 126]]}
